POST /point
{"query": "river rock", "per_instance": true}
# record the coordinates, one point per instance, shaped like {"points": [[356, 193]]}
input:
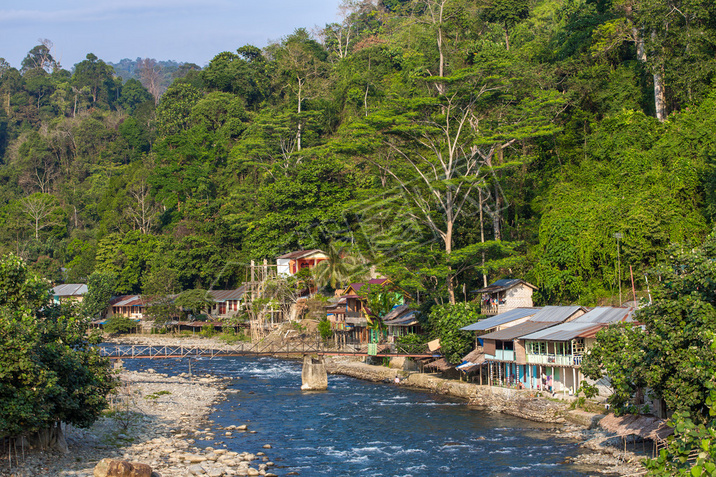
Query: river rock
{"points": [[121, 468]]}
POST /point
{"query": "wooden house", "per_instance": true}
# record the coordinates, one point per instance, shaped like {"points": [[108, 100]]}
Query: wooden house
{"points": [[349, 311], [557, 352], [505, 295], [69, 291], [131, 306], [227, 303], [293, 262], [505, 355]]}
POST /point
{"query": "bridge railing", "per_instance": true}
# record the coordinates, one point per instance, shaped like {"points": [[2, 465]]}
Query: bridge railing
{"points": [[256, 349]]}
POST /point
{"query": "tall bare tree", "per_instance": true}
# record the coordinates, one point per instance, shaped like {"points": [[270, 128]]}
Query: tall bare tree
{"points": [[43, 210], [150, 75]]}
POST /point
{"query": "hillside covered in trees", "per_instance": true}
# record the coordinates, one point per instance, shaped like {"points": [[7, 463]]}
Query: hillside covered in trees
{"points": [[448, 142]]}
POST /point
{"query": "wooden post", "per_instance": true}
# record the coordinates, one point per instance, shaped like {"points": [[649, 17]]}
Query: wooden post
{"points": [[574, 380]]}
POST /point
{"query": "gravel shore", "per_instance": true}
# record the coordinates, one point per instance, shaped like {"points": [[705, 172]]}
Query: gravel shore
{"points": [[154, 420]]}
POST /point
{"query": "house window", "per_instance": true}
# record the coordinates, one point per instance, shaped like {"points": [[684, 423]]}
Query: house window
{"points": [[561, 349], [538, 347]]}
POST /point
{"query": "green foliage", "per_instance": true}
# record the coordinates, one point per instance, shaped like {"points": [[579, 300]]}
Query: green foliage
{"points": [[194, 301], [444, 323], [635, 182], [324, 329], [100, 289], [49, 370], [378, 301], [120, 324], [229, 336], [673, 356], [690, 439], [207, 331]]}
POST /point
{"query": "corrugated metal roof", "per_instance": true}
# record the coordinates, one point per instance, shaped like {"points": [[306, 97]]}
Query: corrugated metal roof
{"points": [[395, 312], [563, 332], [500, 319], [555, 314], [606, 314], [301, 254], [406, 319], [129, 300], [514, 332], [70, 289], [504, 284], [223, 295]]}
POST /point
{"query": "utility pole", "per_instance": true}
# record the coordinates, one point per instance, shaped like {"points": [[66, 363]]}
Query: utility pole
{"points": [[617, 236]]}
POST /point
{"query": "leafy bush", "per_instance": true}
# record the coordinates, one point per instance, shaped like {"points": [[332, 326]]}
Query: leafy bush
{"points": [[324, 328], [119, 324], [445, 322], [230, 336], [412, 339], [207, 331], [50, 372]]}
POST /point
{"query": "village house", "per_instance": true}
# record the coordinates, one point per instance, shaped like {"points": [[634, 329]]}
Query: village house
{"points": [[130, 306], [227, 303], [558, 351], [505, 355], [69, 291], [505, 295], [293, 262], [348, 312], [402, 321]]}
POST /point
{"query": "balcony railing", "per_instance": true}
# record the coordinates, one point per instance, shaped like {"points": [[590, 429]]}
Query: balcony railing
{"points": [[490, 310], [555, 359], [505, 354]]}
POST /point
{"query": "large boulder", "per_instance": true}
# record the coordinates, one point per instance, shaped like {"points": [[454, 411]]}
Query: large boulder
{"points": [[121, 468]]}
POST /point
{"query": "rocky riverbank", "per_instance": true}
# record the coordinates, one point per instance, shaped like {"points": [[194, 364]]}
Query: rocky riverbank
{"points": [[170, 412], [155, 419]]}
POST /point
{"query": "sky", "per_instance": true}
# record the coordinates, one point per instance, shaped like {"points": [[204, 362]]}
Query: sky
{"points": [[192, 31]]}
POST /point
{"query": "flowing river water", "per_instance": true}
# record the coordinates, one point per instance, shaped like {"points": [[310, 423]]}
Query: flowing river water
{"points": [[359, 428]]}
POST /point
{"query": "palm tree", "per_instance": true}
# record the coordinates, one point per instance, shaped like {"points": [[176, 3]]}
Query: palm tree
{"points": [[338, 269]]}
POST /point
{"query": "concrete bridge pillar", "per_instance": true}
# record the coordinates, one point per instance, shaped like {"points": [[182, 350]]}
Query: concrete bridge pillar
{"points": [[314, 376]]}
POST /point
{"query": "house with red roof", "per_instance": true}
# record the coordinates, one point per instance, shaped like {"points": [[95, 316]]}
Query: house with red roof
{"points": [[291, 263]]}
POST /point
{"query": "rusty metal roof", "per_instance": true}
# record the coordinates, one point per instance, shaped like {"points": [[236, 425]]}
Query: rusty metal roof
{"points": [[128, 300], [500, 319], [357, 286]]}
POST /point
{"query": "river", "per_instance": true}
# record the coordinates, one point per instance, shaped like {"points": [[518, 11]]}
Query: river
{"points": [[359, 428]]}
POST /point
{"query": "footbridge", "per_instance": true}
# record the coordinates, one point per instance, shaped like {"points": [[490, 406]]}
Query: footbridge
{"points": [[291, 350]]}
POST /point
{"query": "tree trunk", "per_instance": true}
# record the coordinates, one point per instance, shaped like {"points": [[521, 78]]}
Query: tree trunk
{"points": [[448, 250], [50, 438], [482, 239], [659, 93], [298, 131]]}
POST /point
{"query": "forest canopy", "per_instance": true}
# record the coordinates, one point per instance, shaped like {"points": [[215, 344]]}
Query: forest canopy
{"points": [[448, 142]]}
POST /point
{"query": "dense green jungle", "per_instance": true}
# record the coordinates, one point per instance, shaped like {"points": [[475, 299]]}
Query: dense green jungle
{"points": [[445, 142]]}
